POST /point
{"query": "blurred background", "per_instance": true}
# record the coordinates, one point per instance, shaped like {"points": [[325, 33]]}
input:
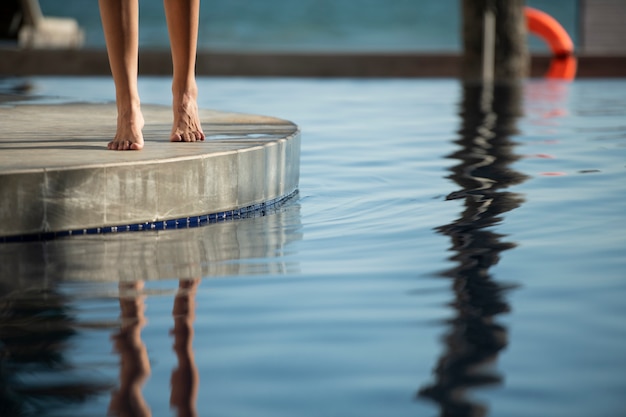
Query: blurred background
{"points": [[310, 25], [354, 38]]}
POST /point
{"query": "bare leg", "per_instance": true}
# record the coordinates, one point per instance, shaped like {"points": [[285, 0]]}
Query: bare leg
{"points": [[120, 20], [182, 24]]}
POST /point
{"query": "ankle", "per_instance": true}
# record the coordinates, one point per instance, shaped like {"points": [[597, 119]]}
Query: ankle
{"points": [[185, 90], [130, 116], [129, 108]]}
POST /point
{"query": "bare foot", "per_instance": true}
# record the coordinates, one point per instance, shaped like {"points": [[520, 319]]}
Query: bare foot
{"points": [[186, 127], [128, 135]]}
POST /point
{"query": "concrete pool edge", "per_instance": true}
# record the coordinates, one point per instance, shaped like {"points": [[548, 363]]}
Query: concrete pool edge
{"points": [[94, 62], [53, 181]]}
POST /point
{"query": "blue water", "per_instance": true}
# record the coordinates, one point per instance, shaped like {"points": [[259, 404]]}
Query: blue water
{"points": [[451, 252], [311, 25]]}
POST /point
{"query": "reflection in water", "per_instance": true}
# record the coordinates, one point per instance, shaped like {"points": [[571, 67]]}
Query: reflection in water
{"points": [[219, 249], [13, 90], [37, 323], [36, 375], [127, 399], [474, 338], [185, 378]]}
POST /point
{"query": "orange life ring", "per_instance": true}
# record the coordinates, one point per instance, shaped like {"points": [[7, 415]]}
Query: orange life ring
{"points": [[563, 65]]}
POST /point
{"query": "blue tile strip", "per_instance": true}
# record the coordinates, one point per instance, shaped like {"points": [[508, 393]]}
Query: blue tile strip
{"points": [[256, 210]]}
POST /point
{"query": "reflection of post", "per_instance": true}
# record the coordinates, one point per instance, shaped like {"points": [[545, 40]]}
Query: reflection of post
{"points": [[474, 338], [185, 377], [135, 366]]}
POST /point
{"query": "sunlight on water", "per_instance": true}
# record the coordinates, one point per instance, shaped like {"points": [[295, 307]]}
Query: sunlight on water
{"points": [[452, 251]]}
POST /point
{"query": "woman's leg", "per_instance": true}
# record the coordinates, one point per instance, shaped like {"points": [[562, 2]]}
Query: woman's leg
{"points": [[120, 21], [182, 24]]}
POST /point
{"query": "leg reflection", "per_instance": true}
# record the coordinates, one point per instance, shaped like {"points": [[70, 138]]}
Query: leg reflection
{"points": [[135, 366], [185, 377]]}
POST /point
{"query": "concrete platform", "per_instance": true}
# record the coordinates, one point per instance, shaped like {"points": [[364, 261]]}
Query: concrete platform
{"points": [[58, 178]]}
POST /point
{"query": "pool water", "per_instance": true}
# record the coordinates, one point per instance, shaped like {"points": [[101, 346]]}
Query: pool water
{"points": [[452, 251]]}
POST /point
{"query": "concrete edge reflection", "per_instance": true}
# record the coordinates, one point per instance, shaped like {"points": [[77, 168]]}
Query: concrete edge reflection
{"points": [[238, 247]]}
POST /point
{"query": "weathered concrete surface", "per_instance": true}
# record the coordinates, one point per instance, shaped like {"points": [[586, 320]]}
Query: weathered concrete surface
{"points": [[56, 173]]}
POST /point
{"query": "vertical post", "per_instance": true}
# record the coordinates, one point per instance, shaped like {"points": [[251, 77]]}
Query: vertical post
{"points": [[498, 25], [489, 45]]}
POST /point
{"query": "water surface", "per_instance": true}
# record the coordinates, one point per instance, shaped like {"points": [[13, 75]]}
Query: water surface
{"points": [[452, 251]]}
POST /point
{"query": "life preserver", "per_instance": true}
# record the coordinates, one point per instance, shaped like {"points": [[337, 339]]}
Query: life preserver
{"points": [[563, 65]]}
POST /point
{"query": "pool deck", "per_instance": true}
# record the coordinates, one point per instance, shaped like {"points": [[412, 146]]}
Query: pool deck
{"points": [[57, 177]]}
